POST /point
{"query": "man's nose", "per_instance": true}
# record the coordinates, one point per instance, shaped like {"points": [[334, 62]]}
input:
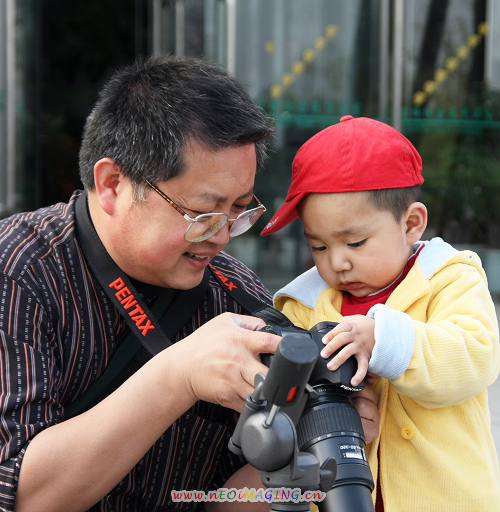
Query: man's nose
{"points": [[222, 236]]}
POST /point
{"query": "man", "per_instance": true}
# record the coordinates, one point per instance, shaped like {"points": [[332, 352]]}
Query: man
{"points": [[168, 143]]}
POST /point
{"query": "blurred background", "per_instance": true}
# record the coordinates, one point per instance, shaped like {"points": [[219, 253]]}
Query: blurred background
{"points": [[430, 68]]}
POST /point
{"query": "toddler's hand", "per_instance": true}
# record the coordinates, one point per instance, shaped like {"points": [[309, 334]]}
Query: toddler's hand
{"points": [[356, 334]]}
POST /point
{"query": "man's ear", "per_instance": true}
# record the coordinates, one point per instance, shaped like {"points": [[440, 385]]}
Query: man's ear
{"points": [[416, 222], [107, 178]]}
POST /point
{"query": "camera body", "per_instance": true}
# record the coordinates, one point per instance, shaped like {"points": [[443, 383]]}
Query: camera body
{"points": [[321, 374]]}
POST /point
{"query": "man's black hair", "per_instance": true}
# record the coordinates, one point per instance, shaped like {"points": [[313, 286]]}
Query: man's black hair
{"points": [[147, 113]]}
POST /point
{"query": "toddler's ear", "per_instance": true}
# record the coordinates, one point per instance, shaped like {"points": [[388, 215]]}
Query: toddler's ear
{"points": [[416, 221]]}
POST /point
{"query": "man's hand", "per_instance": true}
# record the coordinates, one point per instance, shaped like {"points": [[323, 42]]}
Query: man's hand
{"points": [[223, 357], [365, 402]]}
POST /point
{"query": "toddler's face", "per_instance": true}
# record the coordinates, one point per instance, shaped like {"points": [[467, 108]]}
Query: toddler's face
{"points": [[356, 247]]}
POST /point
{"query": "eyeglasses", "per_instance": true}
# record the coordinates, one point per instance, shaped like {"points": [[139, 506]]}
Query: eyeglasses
{"points": [[207, 225]]}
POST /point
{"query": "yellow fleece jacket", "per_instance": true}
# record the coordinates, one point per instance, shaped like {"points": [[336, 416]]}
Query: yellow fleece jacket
{"points": [[437, 352]]}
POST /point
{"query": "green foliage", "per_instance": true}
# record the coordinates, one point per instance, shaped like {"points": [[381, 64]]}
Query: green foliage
{"points": [[462, 185]]}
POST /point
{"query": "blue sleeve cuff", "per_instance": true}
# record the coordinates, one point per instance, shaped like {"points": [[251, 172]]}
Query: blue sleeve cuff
{"points": [[394, 342]]}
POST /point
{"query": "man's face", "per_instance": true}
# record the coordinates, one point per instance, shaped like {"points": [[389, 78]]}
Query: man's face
{"points": [[149, 243], [357, 248]]}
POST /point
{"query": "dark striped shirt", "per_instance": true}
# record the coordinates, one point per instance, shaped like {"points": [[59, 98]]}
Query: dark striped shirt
{"points": [[58, 331]]}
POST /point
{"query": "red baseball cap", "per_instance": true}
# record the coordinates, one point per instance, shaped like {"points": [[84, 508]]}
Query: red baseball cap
{"points": [[350, 156]]}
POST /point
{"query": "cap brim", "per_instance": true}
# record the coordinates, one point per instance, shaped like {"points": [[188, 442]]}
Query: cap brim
{"points": [[286, 214]]}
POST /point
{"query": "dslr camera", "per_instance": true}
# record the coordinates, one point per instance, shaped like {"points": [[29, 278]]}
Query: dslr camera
{"points": [[327, 424]]}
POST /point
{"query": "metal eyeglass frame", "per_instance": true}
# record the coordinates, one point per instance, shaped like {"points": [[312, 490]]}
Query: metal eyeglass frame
{"points": [[247, 218]]}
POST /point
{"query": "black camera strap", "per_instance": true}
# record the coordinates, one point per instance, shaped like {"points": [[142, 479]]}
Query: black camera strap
{"points": [[117, 284], [250, 303], [148, 336]]}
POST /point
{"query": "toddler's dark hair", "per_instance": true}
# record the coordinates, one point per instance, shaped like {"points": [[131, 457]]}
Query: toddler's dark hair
{"points": [[395, 200]]}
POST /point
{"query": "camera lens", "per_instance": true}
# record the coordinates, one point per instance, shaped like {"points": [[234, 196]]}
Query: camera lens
{"points": [[330, 427]]}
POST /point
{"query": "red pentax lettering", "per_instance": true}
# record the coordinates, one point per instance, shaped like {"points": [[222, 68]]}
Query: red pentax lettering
{"points": [[223, 278], [128, 301]]}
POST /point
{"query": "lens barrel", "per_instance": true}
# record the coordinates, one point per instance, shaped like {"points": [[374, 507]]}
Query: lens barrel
{"points": [[330, 427]]}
